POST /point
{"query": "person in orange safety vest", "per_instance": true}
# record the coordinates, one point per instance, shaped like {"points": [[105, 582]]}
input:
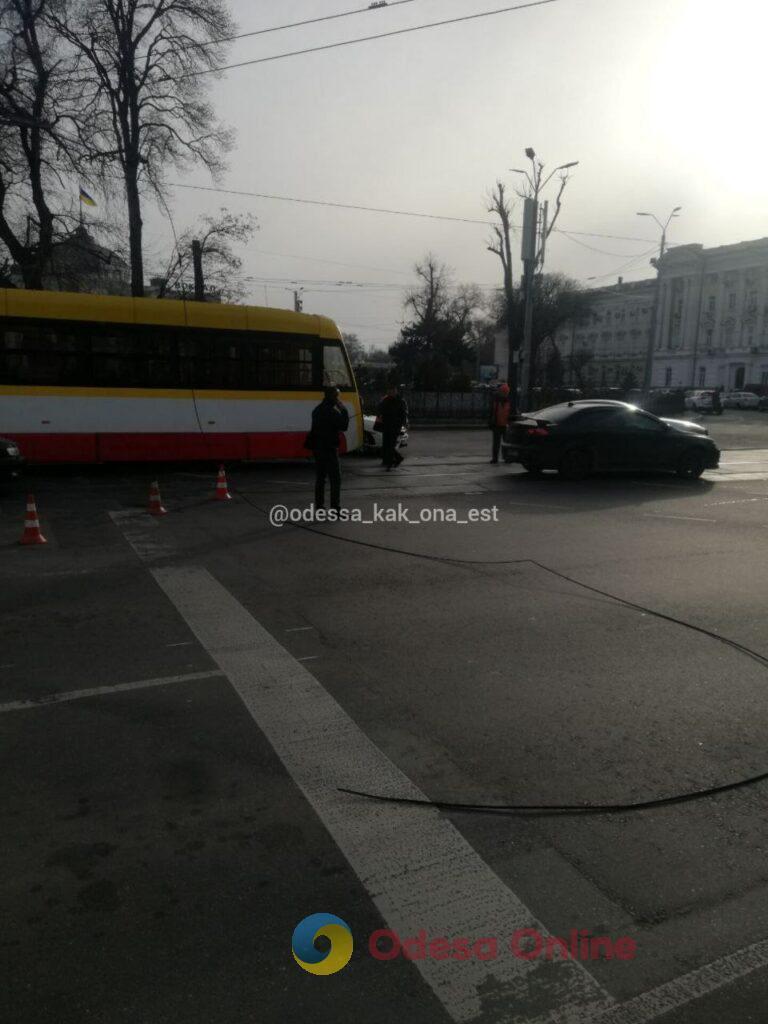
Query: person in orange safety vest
{"points": [[499, 418]]}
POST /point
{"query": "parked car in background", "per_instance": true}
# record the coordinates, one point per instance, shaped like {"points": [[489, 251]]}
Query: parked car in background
{"points": [[373, 439], [11, 460], [576, 438], [763, 404], [699, 401], [741, 400]]}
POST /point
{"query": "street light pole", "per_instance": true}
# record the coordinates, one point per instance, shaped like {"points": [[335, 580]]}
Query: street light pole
{"points": [[533, 248], [648, 373]]}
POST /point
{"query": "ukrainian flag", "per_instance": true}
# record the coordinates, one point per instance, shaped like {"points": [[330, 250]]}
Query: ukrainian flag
{"points": [[85, 198]]}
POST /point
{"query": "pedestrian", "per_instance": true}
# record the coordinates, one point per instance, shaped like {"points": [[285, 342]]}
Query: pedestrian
{"points": [[717, 405], [329, 420], [393, 416], [499, 418]]}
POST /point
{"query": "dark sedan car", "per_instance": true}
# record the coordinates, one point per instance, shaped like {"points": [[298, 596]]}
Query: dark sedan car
{"points": [[11, 460], [578, 437]]}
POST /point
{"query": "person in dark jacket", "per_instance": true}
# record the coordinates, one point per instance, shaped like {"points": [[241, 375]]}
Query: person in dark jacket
{"points": [[329, 419], [499, 418], [393, 413], [717, 405]]}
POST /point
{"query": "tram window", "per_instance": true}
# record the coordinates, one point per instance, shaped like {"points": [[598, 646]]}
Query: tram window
{"points": [[335, 368], [210, 361], [30, 355], [137, 356], [276, 363]]}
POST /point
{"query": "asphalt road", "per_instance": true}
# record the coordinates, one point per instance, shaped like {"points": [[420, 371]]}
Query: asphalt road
{"points": [[182, 699]]}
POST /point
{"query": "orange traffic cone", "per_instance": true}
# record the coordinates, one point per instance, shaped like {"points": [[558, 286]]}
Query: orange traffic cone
{"points": [[32, 533], [222, 490], [155, 501]]}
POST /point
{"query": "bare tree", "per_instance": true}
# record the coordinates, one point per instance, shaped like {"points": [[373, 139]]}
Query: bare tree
{"points": [[222, 264], [151, 62], [535, 183], [44, 120], [501, 245]]}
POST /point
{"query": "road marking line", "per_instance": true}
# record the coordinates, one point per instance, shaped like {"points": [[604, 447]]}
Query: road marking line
{"points": [[186, 643], [299, 629], [738, 501], [665, 515], [311, 657], [105, 691], [418, 868], [137, 528], [679, 992]]}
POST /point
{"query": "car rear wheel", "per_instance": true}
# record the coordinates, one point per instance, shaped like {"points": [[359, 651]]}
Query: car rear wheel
{"points": [[690, 466], [531, 468], [575, 464]]}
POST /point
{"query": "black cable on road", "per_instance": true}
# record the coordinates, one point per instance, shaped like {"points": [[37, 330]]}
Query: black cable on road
{"points": [[564, 810], [544, 810]]}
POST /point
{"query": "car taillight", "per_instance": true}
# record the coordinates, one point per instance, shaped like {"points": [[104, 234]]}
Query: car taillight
{"points": [[537, 432]]}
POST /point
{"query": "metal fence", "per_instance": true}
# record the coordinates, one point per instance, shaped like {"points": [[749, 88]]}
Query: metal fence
{"points": [[438, 406]]}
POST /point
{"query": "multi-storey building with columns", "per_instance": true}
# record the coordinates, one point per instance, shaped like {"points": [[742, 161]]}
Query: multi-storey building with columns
{"points": [[712, 324], [615, 335]]}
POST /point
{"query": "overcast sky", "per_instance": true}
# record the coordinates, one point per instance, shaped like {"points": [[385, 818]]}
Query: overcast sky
{"points": [[661, 101]]}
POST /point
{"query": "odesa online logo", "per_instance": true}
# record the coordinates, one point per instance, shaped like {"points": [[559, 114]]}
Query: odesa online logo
{"points": [[311, 959]]}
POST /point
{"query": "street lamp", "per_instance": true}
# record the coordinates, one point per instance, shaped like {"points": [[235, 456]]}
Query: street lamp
{"points": [[663, 227], [648, 374]]}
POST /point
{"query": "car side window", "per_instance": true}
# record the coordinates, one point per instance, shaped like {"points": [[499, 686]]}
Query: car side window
{"points": [[642, 421], [594, 419]]}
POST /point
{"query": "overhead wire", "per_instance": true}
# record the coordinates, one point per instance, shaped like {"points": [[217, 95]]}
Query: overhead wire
{"points": [[366, 39], [396, 213], [308, 21]]}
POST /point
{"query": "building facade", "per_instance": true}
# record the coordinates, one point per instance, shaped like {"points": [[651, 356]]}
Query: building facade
{"points": [[79, 264], [610, 348], [712, 327]]}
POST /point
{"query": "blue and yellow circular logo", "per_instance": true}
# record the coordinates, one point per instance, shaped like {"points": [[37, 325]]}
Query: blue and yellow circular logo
{"points": [[311, 959]]}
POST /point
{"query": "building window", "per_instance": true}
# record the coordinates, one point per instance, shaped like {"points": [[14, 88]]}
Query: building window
{"points": [[702, 376], [710, 338], [667, 376], [711, 304], [764, 378], [732, 300]]}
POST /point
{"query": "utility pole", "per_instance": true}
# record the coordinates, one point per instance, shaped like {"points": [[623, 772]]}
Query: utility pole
{"points": [[535, 237], [298, 302], [528, 255], [648, 374], [197, 265]]}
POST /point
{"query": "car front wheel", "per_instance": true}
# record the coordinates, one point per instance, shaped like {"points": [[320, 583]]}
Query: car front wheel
{"points": [[690, 466]]}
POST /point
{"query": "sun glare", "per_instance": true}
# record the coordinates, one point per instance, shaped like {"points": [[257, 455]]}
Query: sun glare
{"points": [[709, 92]]}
